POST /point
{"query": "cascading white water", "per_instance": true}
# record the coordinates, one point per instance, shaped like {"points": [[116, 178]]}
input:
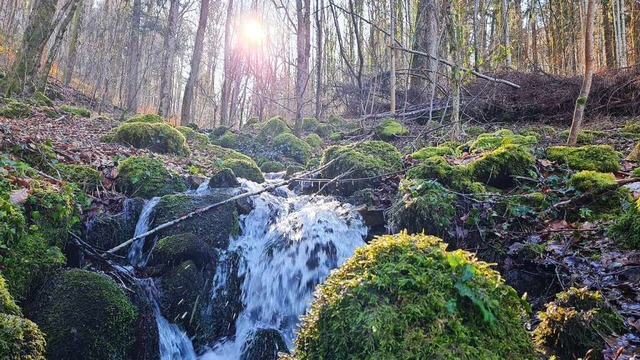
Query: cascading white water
{"points": [[288, 245], [135, 255]]}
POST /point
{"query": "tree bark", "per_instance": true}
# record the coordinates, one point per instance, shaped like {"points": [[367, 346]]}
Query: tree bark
{"points": [[53, 52], [72, 52], [426, 41], [134, 57], [195, 64], [225, 105], [392, 72], [303, 41], [319, 45], [609, 47], [581, 102], [166, 77]]}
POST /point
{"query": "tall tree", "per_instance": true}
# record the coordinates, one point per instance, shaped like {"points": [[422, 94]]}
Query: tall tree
{"points": [[134, 56], [72, 52], [425, 40], [319, 17], [57, 42], [225, 103], [196, 58], [39, 28], [581, 102], [303, 45], [392, 73], [167, 71]]}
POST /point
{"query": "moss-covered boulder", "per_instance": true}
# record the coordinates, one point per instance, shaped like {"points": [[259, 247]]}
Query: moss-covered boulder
{"points": [[272, 128], [366, 162], [193, 136], [455, 177], [577, 321], [405, 297], [21, 339], [632, 127], [606, 199], [265, 344], [498, 167], [86, 177], [77, 111], [585, 137], [592, 181], [602, 158], [146, 177], [175, 249], [314, 140], [325, 130], [40, 99], [431, 151], [246, 169], [310, 124], [291, 147], [626, 228], [14, 109], [225, 178], [146, 118], [390, 129], [492, 141], [272, 167], [213, 227], [86, 316], [635, 153], [106, 231], [157, 137]]}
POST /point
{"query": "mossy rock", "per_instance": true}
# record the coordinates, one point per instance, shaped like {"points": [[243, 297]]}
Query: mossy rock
{"points": [[336, 136], [146, 177], [77, 111], [146, 118], [577, 321], [86, 316], [157, 137], [592, 181], [272, 167], [51, 212], [631, 127], [265, 344], [107, 231], [314, 140], [498, 167], [218, 131], [431, 151], [193, 136], [213, 227], [456, 177], [40, 99], [492, 141], [602, 158], [272, 128], [173, 250], [405, 297], [389, 129], [7, 304], [310, 124], [86, 177], [15, 109], [626, 228], [325, 130], [293, 170], [635, 153], [223, 153], [246, 169], [225, 178], [636, 172], [20, 339], [227, 140], [367, 161], [292, 147], [584, 136]]}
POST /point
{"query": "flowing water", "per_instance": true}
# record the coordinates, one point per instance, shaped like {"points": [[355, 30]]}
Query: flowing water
{"points": [[135, 255]]}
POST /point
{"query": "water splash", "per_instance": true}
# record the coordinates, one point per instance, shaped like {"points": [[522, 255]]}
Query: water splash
{"points": [[289, 244], [135, 255]]}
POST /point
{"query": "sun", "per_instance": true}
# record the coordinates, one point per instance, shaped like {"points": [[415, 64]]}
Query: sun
{"points": [[253, 31]]}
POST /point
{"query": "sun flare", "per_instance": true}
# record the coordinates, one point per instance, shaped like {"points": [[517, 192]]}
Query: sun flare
{"points": [[253, 31]]}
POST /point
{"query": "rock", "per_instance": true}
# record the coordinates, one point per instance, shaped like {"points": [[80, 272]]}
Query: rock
{"points": [[194, 181], [146, 118], [602, 158], [225, 178], [172, 250], [157, 137], [272, 128], [146, 177], [106, 231], [246, 169], [291, 147], [389, 129], [265, 344], [499, 167]]}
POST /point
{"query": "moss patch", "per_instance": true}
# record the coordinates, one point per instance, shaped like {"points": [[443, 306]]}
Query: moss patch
{"points": [[14, 109], [390, 129], [314, 140], [325, 130], [157, 137], [592, 181], [405, 297], [437, 168], [430, 151], [626, 228], [84, 176], [602, 158], [146, 118], [492, 141], [272, 166], [77, 111], [635, 153], [310, 124], [272, 128], [584, 136], [498, 167], [172, 250], [86, 316], [20, 338], [292, 147], [631, 127], [246, 169], [146, 177]]}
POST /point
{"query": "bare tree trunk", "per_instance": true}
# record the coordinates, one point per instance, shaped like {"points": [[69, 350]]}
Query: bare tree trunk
{"points": [[609, 47], [38, 31], [57, 42], [226, 82], [303, 41], [73, 45], [319, 45], [195, 64], [581, 102], [167, 59], [505, 24], [134, 57], [425, 40], [392, 73]]}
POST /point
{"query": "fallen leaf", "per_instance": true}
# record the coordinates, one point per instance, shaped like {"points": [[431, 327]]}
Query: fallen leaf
{"points": [[19, 197]]}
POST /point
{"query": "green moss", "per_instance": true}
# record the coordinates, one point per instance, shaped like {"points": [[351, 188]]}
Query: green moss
{"points": [[193, 136], [592, 181], [325, 130], [82, 112], [626, 228], [246, 169], [577, 321], [157, 137], [474, 131], [602, 158], [15, 109], [174, 249], [366, 161], [584, 136], [146, 118], [272, 128], [636, 172], [219, 131], [7, 304], [84, 176], [51, 212], [430, 151], [310, 124], [147, 177], [389, 129], [86, 316], [314, 140], [405, 297], [227, 140], [109, 230], [498, 167], [336, 136], [49, 111], [20, 339], [272, 166], [40, 99], [635, 153], [291, 147], [632, 127], [492, 141], [437, 168]]}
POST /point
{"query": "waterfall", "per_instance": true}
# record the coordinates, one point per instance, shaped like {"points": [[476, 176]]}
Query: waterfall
{"points": [[135, 255], [288, 245]]}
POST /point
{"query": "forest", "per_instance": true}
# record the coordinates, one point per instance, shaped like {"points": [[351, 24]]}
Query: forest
{"points": [[319, 179]]}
